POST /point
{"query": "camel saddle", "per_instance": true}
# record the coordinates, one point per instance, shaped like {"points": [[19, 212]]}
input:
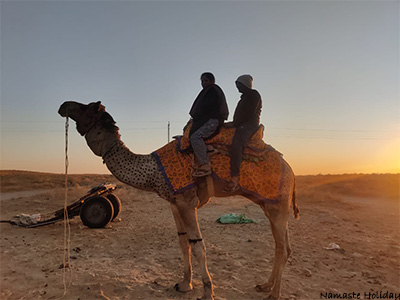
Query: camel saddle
{"points": [[255, 151], [261, 169]]}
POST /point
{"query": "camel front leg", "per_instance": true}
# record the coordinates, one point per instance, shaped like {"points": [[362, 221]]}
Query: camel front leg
{"points": [[186, 284], [188, 213]]}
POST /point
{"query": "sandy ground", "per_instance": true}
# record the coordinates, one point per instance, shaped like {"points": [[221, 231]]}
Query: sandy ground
{"points": [[138, 257]]}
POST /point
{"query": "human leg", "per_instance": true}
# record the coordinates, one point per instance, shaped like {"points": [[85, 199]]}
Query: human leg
{"points": [[200, 148], [241, 138]]}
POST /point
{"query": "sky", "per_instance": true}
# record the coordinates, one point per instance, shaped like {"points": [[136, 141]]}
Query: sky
{"points": [[327, 72]]}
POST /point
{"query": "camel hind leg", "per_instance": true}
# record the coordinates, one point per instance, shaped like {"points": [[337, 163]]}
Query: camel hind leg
{"points": [[278, 215], [280, 232]]}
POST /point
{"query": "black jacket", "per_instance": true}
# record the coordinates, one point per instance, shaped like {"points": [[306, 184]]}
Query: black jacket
{"points": [[248, 110], [209, 104]]}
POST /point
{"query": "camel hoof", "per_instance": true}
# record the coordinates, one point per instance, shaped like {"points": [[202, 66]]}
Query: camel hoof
{"points": [[183, 288], [206, 298], [262, 288], [270, 297]]}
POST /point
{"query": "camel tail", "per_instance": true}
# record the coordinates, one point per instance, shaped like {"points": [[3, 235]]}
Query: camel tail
{"points": [[296, 210]]}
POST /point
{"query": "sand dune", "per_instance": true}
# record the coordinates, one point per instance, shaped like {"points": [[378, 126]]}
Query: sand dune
{"points": [[138, 257]]}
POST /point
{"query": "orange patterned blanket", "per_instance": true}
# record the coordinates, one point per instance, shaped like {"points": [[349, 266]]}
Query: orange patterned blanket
{"points": [[261, 170]]}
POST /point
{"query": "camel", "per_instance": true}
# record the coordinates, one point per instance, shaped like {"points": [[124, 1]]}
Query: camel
{"points": [[142, 172]]}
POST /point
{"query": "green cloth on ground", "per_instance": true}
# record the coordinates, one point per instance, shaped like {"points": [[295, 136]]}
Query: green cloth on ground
{"points": [[234, 219]]}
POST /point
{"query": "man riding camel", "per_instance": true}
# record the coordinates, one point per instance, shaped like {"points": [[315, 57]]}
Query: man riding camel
{"points": [[208, 113], [246, 121]]}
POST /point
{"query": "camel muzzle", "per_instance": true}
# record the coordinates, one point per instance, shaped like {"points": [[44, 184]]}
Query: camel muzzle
{"points": [[63, 110]]}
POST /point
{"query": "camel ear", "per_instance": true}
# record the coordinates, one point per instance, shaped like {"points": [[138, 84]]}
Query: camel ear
{"points": [[96, 107]]}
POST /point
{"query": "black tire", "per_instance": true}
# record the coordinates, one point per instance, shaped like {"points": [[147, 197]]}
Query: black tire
{"points": [[96, 212], [116, 204]]}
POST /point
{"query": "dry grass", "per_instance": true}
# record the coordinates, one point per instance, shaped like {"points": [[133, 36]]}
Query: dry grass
{"points": [[11, 181], [335, 187], [354, 185]]}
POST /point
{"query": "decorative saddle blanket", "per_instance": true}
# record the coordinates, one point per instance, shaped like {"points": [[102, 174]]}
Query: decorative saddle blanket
{"points": [[261, 170], [255, 150]]}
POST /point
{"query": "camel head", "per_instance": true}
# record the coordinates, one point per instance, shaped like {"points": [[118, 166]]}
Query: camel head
{"points": [[93, 122], [85, 116]]}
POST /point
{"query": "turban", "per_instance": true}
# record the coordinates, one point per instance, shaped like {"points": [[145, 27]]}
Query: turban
{"points": [[246, 80]]}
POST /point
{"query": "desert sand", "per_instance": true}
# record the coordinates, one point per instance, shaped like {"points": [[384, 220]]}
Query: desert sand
{"points": [[138, 257]]}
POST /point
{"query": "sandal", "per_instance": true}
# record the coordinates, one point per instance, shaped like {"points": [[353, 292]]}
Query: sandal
{"points": [[231, 187], [211, 150], [201, 172]]}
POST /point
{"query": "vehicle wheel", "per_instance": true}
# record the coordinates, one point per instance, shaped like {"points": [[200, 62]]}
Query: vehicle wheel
{"points": [[116, 204], [96, 212]]}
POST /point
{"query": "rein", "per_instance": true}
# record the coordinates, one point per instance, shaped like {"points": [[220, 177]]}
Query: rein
{"points": [[67, 228]]}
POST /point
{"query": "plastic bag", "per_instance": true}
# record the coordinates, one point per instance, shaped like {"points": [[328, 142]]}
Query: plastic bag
{"points": [[234, 219]]}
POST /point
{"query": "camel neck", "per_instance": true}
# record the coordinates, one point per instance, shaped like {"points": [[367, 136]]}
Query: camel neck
{"points": [[136, 170]]}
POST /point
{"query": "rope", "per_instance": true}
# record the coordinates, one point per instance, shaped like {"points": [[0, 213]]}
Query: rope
{"points": [[67, 228]]}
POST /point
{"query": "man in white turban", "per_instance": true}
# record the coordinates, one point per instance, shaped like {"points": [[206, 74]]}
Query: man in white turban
{"points": [[246, 121], [246, 80]]}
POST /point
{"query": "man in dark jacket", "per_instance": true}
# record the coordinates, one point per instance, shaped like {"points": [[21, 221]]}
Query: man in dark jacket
{"points": [[246, 121], [208, 113]]}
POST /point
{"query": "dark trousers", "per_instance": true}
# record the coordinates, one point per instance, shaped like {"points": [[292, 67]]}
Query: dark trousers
{"points": [[241, 138]]}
